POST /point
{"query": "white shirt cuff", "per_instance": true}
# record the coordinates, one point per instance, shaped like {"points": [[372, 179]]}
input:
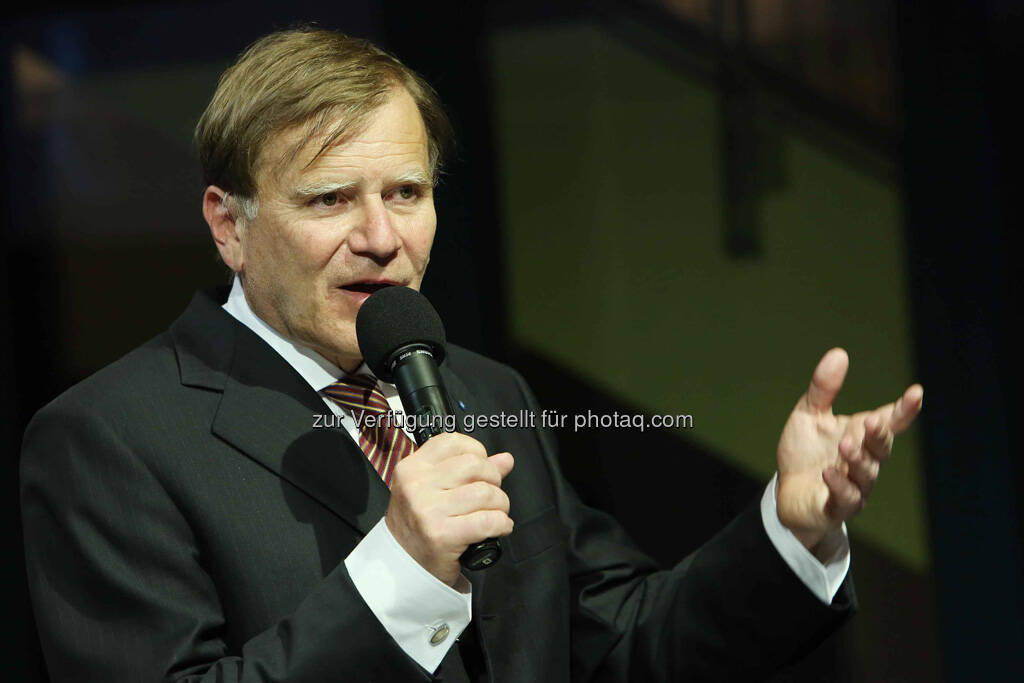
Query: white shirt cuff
{"points": [[821, 579], [410, 602]]}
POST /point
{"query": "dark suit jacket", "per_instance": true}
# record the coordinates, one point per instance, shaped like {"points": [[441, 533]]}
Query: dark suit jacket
{"points": [[185, 522]]}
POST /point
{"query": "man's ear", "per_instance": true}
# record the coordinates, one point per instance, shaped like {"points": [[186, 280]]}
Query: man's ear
{"points": [[226, 227]]}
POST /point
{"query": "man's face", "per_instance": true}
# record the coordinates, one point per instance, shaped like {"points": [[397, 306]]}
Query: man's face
{"points": [[328, 235]]}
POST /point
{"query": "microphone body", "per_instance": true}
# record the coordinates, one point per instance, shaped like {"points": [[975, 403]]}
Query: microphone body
{"points": [[425, 399], [422, 391], [402, 340]]}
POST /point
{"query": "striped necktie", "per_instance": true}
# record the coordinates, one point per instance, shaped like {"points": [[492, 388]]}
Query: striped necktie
{"points": [[384, 443]]}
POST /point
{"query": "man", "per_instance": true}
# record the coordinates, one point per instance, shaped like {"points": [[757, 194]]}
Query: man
{"points": [[185, 521]]}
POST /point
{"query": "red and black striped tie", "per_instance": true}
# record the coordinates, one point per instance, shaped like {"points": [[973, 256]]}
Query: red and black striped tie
{"points": [[385, 443]]}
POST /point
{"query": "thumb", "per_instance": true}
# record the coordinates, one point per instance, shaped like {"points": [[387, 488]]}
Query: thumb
{"points": [[827, 380]]}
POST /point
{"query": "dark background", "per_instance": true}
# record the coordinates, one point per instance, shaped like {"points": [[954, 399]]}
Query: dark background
{"points": [[94, 214]]}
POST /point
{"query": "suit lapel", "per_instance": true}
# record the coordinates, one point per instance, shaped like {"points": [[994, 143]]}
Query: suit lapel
{"points": [[268, 413]]}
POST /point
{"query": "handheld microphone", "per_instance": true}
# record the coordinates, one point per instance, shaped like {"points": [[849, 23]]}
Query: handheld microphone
{"points": [[402, 338]]}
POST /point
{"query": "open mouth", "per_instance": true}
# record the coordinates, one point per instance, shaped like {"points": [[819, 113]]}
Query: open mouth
{"points": [[367, 288]]}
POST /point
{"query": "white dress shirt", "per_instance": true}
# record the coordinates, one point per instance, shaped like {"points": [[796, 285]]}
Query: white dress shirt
{"points": [[408, 600]]}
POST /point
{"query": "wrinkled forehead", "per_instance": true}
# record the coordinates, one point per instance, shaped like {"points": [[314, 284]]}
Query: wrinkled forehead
{"points": [[297, 150], [294, 149]]}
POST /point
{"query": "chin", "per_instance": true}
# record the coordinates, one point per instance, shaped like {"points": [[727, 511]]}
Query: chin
{"points": [[341, 347]]}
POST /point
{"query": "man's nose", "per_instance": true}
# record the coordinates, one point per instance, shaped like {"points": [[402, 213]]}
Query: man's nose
{"points": [[375, 235]]}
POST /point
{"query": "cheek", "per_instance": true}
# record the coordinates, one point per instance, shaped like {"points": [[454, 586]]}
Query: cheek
{"points": [[422, 246], [318, 248], [420, 238], [302, 254], [269, 248], [290, 266]]}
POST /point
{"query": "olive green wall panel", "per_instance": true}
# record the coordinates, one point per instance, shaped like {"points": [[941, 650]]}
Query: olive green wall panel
{"points": [[616, 269]]}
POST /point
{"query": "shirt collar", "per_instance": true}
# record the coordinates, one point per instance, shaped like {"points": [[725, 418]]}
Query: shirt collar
{"points": [[314, 368]]}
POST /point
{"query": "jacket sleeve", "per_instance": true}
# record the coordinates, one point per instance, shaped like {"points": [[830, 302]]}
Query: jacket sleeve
{"points": [[732, 610], [120, 593]]}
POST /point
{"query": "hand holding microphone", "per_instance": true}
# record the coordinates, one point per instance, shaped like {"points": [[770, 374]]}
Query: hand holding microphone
{"points": [[446, 505], [447, 496]]}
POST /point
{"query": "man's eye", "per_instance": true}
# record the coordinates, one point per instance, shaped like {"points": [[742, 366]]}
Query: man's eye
{"points": [[329, 199], [406, 193]]}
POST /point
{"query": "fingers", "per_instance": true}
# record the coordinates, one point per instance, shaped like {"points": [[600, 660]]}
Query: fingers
{"points": [[862, 452], [469, 467], [475, 484], [504, 462], [444, 496], [898, 416], [449, 445], [878, 436], [827, 380], [478, 495], [861, 468], [477, 526], [875, 432], [907, 407], [845, 498]]}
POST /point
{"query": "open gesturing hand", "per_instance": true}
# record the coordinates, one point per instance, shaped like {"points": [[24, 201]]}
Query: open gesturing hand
{"points": [[828, 463]]}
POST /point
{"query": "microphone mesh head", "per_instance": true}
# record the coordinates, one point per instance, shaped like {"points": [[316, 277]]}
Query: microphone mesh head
{"points": [[394, 317]]}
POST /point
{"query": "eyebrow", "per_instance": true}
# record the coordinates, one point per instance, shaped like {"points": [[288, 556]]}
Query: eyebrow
{"points": [[323, 187], [415, 177], [316, 189]]}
